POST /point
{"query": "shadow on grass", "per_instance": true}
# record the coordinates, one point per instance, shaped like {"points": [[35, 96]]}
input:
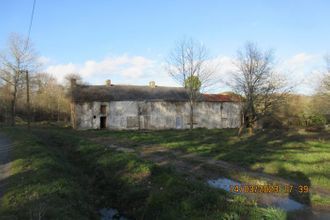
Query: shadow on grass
{"points": [[121, 180], [43, 184], [145, 191], [285, 153], [300, 192]]}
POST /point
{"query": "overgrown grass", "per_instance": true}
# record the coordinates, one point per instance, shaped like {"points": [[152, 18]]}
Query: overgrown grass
{"points": [[43, 183], [143, 190], [303, 157], [73, 178]]}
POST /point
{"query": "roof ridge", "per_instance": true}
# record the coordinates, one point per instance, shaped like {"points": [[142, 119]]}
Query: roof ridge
{"points": [[130, 85]]}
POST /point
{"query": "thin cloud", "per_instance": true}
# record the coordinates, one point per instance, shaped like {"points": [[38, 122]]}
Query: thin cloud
{"points": [[130, 67], [301, 69], [59, 71], [300, 59], [136, 70]]}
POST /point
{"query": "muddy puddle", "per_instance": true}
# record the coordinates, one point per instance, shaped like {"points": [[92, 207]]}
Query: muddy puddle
{"points": [[111, 214], [286, 204]]}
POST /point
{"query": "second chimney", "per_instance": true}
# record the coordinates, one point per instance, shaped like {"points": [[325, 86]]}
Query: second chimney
{"points": [[152, 84], [108, 82]]}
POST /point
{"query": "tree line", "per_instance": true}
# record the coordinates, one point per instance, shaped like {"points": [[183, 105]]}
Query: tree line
{"points": [[266, 97], [48, 100]]}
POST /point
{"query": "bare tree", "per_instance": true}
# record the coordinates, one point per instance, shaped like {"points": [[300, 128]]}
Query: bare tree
{"points": [[19, 57], [322, 96], [49, 97], [4, 103], [324, 86], [327, 61], [326, 79], [188, 65], [257, 83]]}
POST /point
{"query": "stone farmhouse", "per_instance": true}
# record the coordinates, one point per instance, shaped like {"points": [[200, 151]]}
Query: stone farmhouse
{"points": [[152, 107]]}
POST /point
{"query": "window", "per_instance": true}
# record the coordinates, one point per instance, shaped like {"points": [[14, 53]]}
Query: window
{"points": [[103, 109], [178, 122], [132, 121]]}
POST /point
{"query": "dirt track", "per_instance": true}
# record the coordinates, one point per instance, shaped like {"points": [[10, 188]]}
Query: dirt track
{"points": [[5, 149], [204, 168]]}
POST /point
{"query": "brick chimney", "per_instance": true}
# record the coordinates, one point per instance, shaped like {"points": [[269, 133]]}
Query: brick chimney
{"points": [[108, 82], [152, 84]]}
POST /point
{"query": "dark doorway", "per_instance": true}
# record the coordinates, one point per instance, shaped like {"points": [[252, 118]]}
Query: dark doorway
{"points": [[103, 122]]}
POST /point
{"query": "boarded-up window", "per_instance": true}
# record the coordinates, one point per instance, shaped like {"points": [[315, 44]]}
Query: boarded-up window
{"points": [[146, 122], [103, 109], [178, 122], [132, 122]]}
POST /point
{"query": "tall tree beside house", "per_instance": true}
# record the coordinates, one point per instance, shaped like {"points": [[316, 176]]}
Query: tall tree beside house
{"points": [[19, 57], [188, 65], [256, 81]]}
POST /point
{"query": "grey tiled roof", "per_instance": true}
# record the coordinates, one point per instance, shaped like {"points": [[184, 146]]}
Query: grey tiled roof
{"points": [[87, 93], [90, 93]]}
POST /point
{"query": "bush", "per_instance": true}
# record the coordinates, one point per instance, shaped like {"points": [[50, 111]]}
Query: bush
{"points": [[314, 119], [317, 120]]}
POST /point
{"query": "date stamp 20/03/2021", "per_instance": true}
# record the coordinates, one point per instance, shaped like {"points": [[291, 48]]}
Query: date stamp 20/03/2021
{"points": [[269, 188]]}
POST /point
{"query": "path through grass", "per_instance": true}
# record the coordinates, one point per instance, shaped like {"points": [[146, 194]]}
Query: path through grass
{"points": [[64, 176], [302, 157]]}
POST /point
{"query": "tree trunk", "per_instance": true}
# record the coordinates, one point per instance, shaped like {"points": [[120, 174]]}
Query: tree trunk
{"points": [[241, 127], [13, 107], [58, 110], [73, 115], [28, 97], [240, 130], [251, 127], [191, 116], [250, 130]]}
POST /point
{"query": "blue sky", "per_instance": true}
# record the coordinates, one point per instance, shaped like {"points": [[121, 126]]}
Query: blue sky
{"points": [[128, 41]]}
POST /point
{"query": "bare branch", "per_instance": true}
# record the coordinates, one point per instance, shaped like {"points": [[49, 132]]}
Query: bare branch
{"points": [[187, 64], [18, 58], [257, 82]]}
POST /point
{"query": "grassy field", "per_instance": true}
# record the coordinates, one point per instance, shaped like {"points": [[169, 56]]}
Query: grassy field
{"points": [[43, 182], [59, 174], [303, 157]]}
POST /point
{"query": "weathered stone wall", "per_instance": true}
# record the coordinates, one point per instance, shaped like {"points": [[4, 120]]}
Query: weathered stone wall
{"points": [[217, 115], [88, 115], [157, 115]]}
